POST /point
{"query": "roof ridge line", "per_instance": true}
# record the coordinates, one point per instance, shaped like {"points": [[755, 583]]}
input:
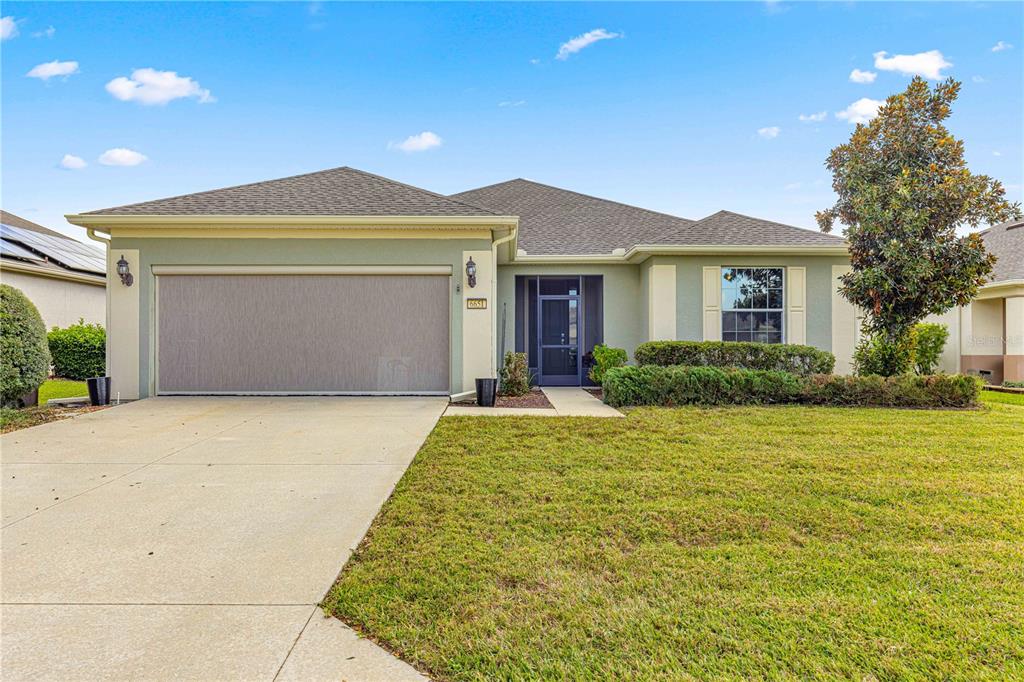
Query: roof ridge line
{"points": [[419, 189]]}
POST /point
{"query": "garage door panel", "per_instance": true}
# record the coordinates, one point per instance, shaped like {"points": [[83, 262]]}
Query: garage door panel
{"points": [[303, 333]]}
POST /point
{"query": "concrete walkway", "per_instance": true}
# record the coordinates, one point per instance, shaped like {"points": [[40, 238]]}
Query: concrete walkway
{"points": [[192, 538], [566, 401]]}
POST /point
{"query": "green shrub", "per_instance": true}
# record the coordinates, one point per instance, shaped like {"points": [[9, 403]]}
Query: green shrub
{"points": [[24, 357], [931, 339], [1013, 384], [606, 357], [79, 352], [764, 356], [881, 356], [672, 386], [515, 374]]}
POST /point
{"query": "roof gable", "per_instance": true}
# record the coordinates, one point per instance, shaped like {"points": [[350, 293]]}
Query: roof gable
{"points": [[554, 221], [728, 228], [335, 192], [1006, 241]]}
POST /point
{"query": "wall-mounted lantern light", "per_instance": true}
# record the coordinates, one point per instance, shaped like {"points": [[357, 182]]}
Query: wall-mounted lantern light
{"points": [[124, 273], [471, 272]]}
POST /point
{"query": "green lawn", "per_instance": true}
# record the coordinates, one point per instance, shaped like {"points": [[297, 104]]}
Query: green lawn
{"points": [[1005, 398], [787, 542], [61, 388]]}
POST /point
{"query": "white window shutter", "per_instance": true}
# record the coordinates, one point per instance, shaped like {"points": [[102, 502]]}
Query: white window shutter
{"points": [[713, 303], [796, 305]]}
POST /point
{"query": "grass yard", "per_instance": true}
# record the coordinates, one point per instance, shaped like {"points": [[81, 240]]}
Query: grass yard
{"points": [[61, 388], [1005, 398], [704, 543]]}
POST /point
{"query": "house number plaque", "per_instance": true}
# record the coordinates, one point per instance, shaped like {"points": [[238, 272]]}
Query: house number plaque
{"points": [[476, 303]]}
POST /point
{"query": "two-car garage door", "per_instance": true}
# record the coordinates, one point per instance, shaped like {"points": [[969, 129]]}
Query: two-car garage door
{"points": [[302, 333]]}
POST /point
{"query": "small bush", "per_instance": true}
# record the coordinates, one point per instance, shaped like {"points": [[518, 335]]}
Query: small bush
{"points": [[763, 356], [515, 374], [606, 357], [1013, 384], [24, 357], [79, 352], [673, 386], [881, 356], [931, 339]]}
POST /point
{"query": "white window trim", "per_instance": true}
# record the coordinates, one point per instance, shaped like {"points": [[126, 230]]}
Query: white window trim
{"points": [[783, 310]]}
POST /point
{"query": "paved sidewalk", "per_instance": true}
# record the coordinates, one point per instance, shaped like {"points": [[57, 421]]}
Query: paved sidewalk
{"points": [[566, 401], [192, 538]]}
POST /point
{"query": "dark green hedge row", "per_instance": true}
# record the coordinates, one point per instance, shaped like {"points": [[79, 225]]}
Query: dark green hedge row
{"points": [[764, 356], [672, 386], [79, 351]]}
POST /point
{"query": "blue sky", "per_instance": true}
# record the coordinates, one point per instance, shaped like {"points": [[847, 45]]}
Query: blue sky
{"points": [[685, 108]]}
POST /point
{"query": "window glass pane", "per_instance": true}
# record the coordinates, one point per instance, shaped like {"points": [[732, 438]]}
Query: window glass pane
{"points": [[760, 298], [770, 321], [744, 322], [728, 336], [559, 322], [728, 322], [775, 278], [775, 298], [559, 286], [752, 289]]}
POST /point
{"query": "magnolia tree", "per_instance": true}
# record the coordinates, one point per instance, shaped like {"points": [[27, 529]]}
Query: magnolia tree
{"points": [[904, 189]]}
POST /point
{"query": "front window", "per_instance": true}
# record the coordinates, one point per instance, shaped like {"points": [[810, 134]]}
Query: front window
{"points": [[752, 305]]}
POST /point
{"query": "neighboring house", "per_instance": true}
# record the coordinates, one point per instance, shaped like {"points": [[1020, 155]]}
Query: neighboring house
{"points": [[988, 335], [345, 282], [64, 278]]}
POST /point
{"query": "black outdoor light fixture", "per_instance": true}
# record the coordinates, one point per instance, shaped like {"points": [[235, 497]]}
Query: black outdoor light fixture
{"points": [[471, 272], [124, 273]]}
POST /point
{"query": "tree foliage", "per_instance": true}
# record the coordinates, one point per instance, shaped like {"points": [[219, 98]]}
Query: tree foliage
{"points": [[903, 190]]}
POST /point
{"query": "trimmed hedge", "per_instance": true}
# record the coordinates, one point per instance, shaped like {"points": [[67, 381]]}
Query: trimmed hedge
{"points": [[777, 357], [79, 352], [24, 357], [673, 386]]}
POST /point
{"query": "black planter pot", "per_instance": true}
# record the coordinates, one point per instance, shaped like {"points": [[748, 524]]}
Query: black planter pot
{"points": [[486, 389], [99, 390]]}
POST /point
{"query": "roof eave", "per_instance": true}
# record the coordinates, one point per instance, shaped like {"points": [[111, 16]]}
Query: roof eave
{"points": [[199, 221], [54, 273], [642, 252]]}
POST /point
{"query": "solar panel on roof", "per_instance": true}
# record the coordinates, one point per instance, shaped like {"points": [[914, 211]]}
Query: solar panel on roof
{"points": [[67, 252], [13, 250]]}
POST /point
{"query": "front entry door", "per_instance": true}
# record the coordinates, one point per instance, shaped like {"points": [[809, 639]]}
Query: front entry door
{"points": [[559, 332]]}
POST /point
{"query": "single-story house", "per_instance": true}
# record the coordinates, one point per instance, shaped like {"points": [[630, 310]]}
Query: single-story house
{"points": [[63, 277], [341, 281], [987, 336]]}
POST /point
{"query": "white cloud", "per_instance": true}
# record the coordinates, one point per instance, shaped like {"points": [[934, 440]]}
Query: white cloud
{"points": [[1000, 46], [513, 103], [576, 44], [119, 156], [48, 32], [770, 132], [813, 118], [49, 70], [8, 28], [418, 143], [977, 79], [535, 62], [861, 111], [72, 162], [928, 64], [775, 7], [149, 86], [997, 153], [858, 76]]}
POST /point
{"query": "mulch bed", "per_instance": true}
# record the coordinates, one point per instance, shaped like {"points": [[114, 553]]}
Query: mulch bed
{"points": [[595, 391], [535, 398], [34, 416]]}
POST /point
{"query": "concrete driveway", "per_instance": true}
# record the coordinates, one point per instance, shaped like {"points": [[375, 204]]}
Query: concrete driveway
{"points": [[191, 538]]}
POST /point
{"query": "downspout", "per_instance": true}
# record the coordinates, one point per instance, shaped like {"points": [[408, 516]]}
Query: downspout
{"points": [[494, 292], [91, 233]]}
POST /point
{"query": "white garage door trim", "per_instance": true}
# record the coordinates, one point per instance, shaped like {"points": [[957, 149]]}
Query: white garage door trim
{"points": [[199, 270]]}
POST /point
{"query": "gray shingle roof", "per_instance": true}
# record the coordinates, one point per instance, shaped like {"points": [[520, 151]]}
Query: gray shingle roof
{"points": [[335, 192], [726, 227], [1006, 241], [558, 221]]}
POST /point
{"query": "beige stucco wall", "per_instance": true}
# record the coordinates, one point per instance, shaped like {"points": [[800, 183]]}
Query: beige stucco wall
{"points": [[60, 302]]}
